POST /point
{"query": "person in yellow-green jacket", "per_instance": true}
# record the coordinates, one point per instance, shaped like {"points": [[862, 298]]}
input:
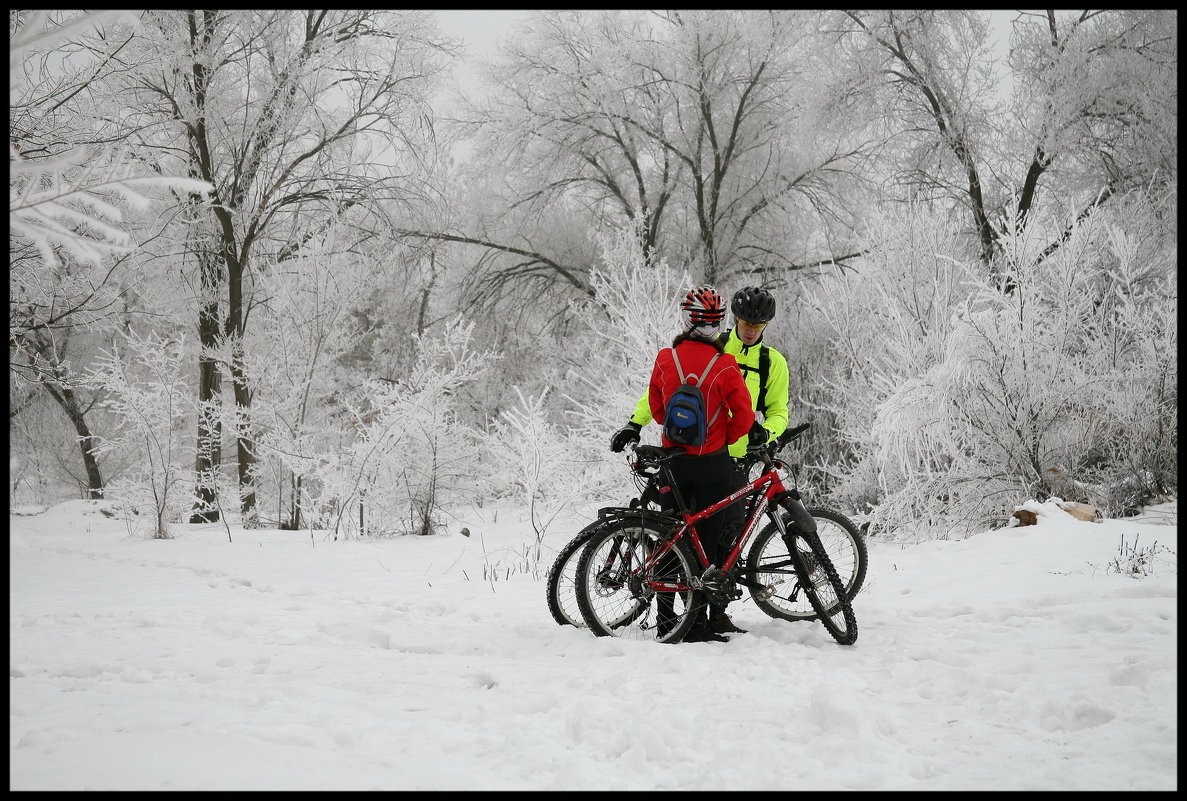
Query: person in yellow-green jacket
{"points": [[766, 374]]}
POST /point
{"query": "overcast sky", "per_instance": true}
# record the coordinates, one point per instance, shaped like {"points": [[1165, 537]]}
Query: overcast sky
{"points": [[481, 30]]}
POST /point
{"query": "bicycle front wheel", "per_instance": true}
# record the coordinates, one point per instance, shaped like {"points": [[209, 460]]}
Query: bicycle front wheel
{"points": [[845, 546], [614, 584], [770, 564], [822, 585]]}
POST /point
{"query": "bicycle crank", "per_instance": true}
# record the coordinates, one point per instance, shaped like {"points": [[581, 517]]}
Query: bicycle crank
{"points": [[764, 591]]}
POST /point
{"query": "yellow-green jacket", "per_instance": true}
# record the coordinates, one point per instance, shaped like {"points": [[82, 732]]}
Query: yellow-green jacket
{"points": [[774, 416]]}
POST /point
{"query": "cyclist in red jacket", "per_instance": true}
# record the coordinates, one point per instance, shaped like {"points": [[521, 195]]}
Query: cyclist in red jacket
{"points": [[704, 474]]}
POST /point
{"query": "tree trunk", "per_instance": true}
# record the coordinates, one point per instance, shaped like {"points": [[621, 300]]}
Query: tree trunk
{"points": [[233, 330], [292, 521], [296, 516], [210, 435], [244, 445], [209, 458], [86, 441]]}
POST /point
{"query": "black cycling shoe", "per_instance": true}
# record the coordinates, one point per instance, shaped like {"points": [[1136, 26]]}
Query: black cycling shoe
{"points": [[704, 635], [720, 623]]}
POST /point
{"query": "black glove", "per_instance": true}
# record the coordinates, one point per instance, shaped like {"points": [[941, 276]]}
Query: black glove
{"points": [[758, 435], [625, 436]]}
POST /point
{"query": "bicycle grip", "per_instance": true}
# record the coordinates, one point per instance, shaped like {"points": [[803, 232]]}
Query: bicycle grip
{"points": [[792, 433]]}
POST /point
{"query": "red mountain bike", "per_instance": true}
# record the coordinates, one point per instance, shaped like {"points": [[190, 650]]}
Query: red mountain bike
{"points": [[842, 540], [644, 574]]}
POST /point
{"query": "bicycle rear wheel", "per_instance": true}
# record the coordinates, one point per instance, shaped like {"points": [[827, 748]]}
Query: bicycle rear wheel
{"points": [[845, 545], [562, 578], [769, 563], [613, 586]]}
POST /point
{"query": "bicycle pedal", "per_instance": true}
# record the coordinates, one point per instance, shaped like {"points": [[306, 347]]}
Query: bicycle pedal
{"points": [[765, 593]]}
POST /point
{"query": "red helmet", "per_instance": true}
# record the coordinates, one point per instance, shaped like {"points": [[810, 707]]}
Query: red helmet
{"points": [[703, 306]]}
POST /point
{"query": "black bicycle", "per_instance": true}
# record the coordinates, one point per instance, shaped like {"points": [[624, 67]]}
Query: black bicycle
{"points": [[840, 538]]}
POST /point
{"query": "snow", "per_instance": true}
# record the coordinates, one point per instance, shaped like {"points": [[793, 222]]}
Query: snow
{"points": [[270, 660]]}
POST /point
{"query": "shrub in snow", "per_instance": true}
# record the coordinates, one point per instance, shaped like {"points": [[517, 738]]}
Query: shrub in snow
{"points": [[146, 392], [534, 463], [1138, 561], [411, 455], [299, 342], [959, 398]]}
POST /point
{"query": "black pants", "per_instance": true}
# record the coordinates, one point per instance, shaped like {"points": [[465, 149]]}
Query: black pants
{"points": [[703, 481]]}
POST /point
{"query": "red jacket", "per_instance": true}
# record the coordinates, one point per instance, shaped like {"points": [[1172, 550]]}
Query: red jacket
{"points": [[723, 387]]}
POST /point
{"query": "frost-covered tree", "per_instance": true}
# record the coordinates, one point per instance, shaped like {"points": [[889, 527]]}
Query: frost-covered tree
{"points": [[553, 456], [711, 128], [74, 190], [634, 314], [293, 117], [1092, 111], [67, 189], [960, 401], [308, 326]]}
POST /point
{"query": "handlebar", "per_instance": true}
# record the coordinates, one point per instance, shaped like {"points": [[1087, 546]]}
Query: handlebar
{"points": [[781, 441], [766, 453], [649, 457]]}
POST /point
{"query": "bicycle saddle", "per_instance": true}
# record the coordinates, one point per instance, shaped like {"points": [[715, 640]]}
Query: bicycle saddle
{"points": [[654, 453]]}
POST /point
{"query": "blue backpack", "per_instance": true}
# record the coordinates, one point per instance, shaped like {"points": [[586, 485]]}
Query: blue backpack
{"points": [[684, 415]]}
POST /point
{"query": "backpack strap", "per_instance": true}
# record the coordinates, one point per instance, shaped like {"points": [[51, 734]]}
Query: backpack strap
{"points": [[704, 373], [708, 367], [679, 369], [700, 378], [764, 367]]}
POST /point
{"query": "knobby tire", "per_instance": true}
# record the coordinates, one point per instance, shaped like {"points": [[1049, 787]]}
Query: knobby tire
{"points": [[562, 589], [827, 597]]}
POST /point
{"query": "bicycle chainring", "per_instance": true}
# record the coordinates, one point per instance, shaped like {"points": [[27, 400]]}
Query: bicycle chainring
{"points": [[719, 586]]}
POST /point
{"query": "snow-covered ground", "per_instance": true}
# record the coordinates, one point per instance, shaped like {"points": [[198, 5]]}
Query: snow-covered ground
{"points": [[279, 660]]}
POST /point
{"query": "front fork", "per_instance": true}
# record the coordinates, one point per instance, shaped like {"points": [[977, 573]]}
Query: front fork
{"points": [[805, 524]]}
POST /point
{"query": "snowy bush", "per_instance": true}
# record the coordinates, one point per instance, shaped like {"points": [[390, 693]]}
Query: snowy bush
{"points": [[298, 343], [535, 463], [1137, 561], [958, 398], [411, 455], [145, 390]]}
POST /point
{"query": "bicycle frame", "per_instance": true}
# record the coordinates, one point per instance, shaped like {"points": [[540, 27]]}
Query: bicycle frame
{"points": [[771, 485]]}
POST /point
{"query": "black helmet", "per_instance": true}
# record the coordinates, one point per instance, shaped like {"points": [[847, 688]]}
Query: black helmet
{"points": [[753, 304]]}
